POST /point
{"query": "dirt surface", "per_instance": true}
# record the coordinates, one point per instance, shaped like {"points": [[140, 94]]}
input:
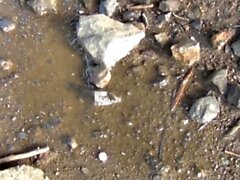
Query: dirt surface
{"points": [[45, 99]]}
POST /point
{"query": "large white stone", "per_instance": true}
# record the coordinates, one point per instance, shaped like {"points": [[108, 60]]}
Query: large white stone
{"points": [[23, 173], [105, 39]]}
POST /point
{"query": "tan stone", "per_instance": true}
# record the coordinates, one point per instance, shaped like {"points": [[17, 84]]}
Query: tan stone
{"points": [[220, 39], [99, 75], [187, 52]]}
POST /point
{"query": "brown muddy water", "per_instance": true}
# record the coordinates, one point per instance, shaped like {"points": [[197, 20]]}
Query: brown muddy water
{"points": [[46, 99]]}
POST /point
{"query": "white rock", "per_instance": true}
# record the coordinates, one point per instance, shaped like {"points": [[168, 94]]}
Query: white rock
{"points": [[104, 98], [102, 156], [23, 172], [105, 39]]}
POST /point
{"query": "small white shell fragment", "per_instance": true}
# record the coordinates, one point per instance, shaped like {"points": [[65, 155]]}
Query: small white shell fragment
{"points": [[104, 98], [102, 156]]}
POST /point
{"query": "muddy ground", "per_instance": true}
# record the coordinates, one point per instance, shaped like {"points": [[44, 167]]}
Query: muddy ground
{"points": [[45, 98]]}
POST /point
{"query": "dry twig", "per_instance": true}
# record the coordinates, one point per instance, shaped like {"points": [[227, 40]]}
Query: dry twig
{"points": [[182, 89], [25, 155], [179, 17], [232, 153], [140, 7]]}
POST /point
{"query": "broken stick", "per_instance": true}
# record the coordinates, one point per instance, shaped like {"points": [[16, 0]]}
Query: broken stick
{"points": [[182, 89], [25, 155], [140, 7], [232, 153]]}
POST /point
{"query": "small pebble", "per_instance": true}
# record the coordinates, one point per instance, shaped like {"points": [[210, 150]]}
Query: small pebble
{"points": [[169, 5], [71, 142], [6, 25], [6, 65], [102, 156], [220, 39]]}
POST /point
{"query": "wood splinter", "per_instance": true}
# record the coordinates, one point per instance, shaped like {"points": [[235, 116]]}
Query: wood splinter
{"points": [[182, 89], [25, 155], [140, 7], [232, 153]]}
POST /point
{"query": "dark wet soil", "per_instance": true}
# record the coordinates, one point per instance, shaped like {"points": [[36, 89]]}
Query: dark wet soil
{"points": [[46, 99]]}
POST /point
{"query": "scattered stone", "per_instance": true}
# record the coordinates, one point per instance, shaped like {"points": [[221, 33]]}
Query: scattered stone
{"points": [[104, 98], [22, 136], [197, 24], [23, 172], [107, 40], [86, 171], [71, 142], [220, 39], [236, 48], [163, 19], [186, 51], [52, 123], [161, 81], [6, 25], [102, 156], [91, 5], [129, 16], [6, 65], [205, 109], [233, 95], [162, 38], [169, 5], [108, 7], [219, 79], [99, 75], [42, 7]]}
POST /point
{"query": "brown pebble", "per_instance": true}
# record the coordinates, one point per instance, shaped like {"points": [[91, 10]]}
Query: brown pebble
{"points": [[220, 39]]}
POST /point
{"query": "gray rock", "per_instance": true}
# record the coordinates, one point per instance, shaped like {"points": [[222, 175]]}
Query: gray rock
{"points": [[6, 25], [233, 95], [52, 123], [169, 5], [131, 15], [108, 7], [42, 7], [107, 40], [23, 172], [104, 98], [163, 20], [197, 24], [205, 109], [219, 79], [236, 48]]}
